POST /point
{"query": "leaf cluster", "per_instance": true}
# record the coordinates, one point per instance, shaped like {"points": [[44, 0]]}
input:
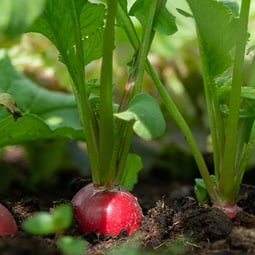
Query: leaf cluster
{"points": [[44, 223]]}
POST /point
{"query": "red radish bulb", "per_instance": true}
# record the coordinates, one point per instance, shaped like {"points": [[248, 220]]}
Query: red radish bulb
{"points": [[230, 210], [104, 211], [7, 223]]}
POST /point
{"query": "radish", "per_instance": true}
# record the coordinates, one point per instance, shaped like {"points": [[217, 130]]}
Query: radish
{"points": [[106, 211], [7, 223], [108, 121], [230, 210]]}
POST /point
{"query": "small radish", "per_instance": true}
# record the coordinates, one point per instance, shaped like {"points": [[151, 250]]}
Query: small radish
{"points": [[7, 223], [106, 211], [230, 210]]}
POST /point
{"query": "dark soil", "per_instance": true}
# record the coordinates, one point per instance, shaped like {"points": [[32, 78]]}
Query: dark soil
{"points": [[174, 223]]}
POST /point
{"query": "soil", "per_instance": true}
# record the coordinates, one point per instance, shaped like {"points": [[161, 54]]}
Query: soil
{"points": [[174, 223]]}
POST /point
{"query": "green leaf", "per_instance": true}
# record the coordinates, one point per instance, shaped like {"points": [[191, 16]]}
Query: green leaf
{"points": [[123, 4], [164, 21], [40, 223], [44, 223], [139, 9], [46, 114], [201, 192], [17, 15], [145, 112], [217, 27], [133, 166], [71, 246], [246, 92], [62, 217], [57, 23], [8, 102]]}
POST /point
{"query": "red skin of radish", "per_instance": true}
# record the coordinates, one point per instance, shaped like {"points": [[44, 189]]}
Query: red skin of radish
{"points": [[7, 223], [106, 211], [230, 210]]}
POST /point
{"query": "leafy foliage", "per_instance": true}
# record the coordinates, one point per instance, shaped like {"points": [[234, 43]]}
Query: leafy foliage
{"points": [[45, 114], [13, 22], [132, 168], [164, 21], [222, 37], [71, 246], [44, 223], [60, 30], [215, 20], [145, 112]]}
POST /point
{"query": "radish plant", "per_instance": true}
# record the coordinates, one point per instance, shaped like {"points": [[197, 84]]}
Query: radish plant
{"points": [[56, 222], [83, 31], [229, 100], [222, 37]]}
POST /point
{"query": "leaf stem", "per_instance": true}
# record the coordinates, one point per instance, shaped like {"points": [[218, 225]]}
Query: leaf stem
{"points": [[79, 89], [182, 124], [171, 107], [134, 86], [145, 46], [228, 173], [214, 114], [106, 126]]}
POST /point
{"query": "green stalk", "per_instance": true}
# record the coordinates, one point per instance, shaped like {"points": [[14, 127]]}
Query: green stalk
{"points": [[171, 107], [128, 27], [106, 126], [134, 86], [214, 114], [182, 124], [213, 108], [228, 173], [145, 46], [79, 89]]}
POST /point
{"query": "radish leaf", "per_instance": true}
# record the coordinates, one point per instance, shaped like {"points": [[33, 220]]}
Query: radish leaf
{"points": [[46, 114], [39, 224], [145, 112], [13, 22], [132, 168], [44, 223], [59, 28], [71, 245], [215, 20], [164, 21]]}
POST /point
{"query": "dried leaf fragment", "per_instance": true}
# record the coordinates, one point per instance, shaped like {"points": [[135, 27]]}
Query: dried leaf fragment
{"points": [[9, 103]]}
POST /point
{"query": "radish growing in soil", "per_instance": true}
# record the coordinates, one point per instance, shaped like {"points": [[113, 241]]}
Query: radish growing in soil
{"points": [[230, 98], [84, 33], [107, 211], [7, 223]]}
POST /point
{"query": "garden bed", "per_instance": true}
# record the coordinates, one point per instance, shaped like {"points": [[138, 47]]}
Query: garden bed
{"points": [[174, 222]]}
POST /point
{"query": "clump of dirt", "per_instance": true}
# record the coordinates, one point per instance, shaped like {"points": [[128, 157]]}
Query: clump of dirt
{"points": [[157, 224]]}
